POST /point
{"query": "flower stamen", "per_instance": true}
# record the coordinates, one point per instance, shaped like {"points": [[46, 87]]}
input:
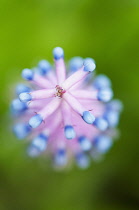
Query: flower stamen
{"points": [[60, 91]]}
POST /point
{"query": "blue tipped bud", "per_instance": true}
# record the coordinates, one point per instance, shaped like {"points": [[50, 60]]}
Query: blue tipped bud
{"points": [[69, 132], [38, 145], [89, 64], [112, 118], [58, 53], [82, 160], [103, 143], [101, 123], [101, 82], [88, 117], [18, 106], [60, 158], [33, 151], [35, 121], [115, 105], [75, 63], [40, 142], [105, 95], [21, 130], [43, 67], [21, 88], [25, 97], [85, 143], [27, 74]]}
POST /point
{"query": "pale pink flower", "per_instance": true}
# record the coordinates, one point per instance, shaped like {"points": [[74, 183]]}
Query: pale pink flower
{"points": [[65, 114]]}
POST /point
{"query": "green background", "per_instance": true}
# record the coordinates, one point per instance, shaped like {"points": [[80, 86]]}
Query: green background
{"points": [[106, 30]]}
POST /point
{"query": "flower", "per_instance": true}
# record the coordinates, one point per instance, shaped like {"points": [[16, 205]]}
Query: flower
{"points": [[66, 115]]}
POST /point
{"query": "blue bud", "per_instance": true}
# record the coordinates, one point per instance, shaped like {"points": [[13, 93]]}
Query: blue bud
{"points": [[89, 64], [33, 151], [75, 63], [82, 160], [112, 118], [85, 143], [69, 132], [115, 105], [88, 117], [35, 121], [38, 145], [21, 88], [101, 82], [101, 123], [58, 53], [18, 106], [103, 143], [25, 97], [27, 74], [40, 142], [105, 95], [60, 158], [21, 130], [43, 67]]}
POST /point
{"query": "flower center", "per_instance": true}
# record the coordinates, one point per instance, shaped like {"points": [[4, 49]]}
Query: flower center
{"points": [[59, 91]]}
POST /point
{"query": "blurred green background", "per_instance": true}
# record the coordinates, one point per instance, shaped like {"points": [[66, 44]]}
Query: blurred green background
{"points": [[106, 30]]}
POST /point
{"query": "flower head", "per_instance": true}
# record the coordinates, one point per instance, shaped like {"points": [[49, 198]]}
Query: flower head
{"points": [[65, 114]]}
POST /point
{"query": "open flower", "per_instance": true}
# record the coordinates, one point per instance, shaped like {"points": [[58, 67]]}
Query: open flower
{"points": [[64, 114]]}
